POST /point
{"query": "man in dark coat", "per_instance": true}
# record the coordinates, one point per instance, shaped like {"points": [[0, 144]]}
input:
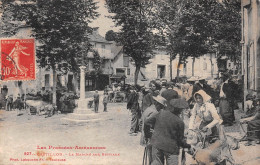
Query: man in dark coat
{"points": [[227, 102], [168, 134], [169, 94], [96, 101], [133, 106], [148, 97]]}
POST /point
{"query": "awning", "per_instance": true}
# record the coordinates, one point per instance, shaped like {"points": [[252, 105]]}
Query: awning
{"points": [[118, 77]]}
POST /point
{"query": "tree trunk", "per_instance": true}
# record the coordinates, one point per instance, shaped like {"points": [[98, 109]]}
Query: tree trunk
{"points": [[211, 64], [54, 93], [137, 70], [178, 68], [170, 67], [193, 62]]}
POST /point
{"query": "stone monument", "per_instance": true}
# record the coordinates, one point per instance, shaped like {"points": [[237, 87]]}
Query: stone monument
{"points": [[82, 114]]}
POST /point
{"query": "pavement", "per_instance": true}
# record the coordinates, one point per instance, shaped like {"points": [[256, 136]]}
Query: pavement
{"points": [[31, 139]]}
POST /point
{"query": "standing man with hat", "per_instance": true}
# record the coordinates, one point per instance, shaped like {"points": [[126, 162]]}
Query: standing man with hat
{"points": [[168, 133], [146, 131], [226, 103], [133, 106], [96, 101]]}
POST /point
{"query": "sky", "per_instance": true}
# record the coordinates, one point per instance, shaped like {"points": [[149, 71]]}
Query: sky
{"points": [[105, 24]]}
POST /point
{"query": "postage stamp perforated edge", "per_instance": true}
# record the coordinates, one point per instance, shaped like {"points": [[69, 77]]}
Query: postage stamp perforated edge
{"points": [[34, 59]]}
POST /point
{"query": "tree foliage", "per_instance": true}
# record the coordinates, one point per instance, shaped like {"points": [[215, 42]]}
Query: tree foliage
{"points": [[134, 18], [111, 35], [97, 62], [61, 28], [192, 28]]}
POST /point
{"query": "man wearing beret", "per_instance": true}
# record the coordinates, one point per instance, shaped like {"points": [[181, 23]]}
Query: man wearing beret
{"points": [[168, 133]]}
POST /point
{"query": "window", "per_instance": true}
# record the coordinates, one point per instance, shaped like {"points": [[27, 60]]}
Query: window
{"points": [[128, 71], [120, 71], [160, 71], [204, 65], [125, 60], [103, 46], [47, 80]]}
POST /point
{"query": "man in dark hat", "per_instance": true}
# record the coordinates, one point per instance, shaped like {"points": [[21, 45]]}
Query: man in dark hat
{"points": [[147, 130], [226, 103], [169, 94], [96, 101], [168, 133], [133, 106], [148, 97]]}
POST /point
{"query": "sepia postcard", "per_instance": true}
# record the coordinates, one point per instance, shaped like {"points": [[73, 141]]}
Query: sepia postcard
{"points": [[129, 82]]}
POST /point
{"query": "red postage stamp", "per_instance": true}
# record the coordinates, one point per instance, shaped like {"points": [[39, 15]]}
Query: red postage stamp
{"points": [[17, 59]]}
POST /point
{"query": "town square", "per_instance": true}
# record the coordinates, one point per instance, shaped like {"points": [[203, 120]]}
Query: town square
{"points": [[129, 82]]}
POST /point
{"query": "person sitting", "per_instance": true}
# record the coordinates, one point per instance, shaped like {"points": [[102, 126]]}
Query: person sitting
{"points": [[204, 116], [253, 125]]}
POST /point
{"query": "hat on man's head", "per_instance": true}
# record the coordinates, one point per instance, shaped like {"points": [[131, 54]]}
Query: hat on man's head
{"points": [[192, 79], [159, 99], [179, 103], [169, 94], [202, 78]]}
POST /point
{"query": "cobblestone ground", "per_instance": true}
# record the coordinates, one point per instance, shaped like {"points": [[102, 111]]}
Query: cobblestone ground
{"points": [[30, 136]]}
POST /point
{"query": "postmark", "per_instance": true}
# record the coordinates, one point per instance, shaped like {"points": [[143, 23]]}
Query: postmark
{"points": [[17, 59]]}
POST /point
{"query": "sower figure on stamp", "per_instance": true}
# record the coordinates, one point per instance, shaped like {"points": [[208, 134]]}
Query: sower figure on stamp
{"points": [[14, 56], [96, 101]]}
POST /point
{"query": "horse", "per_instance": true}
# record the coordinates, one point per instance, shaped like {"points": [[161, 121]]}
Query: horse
{"points": [[206, 153]]}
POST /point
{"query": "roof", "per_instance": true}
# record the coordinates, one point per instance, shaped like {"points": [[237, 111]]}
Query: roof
{"points": [[96, 37], [116, 49], [102, 55]]}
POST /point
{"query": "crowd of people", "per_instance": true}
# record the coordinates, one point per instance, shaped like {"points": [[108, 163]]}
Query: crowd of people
{"points": [[38, 102], [165, 115]]}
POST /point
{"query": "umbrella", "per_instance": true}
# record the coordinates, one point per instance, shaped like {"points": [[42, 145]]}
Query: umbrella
{"points": [[179, 103]]}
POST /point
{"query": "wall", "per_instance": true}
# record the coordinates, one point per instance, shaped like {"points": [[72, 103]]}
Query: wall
{"points": [[251, 44], [202, 66]]}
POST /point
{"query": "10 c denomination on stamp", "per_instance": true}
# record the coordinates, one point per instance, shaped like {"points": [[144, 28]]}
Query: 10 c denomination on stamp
{"points": [[17, 59]]}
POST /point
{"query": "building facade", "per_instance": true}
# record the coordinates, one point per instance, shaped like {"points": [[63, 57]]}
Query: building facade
{"points": [[159, 67], [250, 45]]}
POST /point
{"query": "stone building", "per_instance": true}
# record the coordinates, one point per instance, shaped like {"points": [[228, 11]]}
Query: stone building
{"points": [[250, 44]]}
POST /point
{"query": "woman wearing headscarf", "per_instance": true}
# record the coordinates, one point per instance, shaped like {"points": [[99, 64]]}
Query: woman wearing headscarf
{"points": [[204, 116]]}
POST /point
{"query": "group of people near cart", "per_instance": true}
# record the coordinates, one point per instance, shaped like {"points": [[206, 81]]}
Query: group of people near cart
{"points": [[171, 123]]}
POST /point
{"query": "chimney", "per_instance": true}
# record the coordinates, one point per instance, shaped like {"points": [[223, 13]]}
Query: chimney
{"points": [[95, 30]]}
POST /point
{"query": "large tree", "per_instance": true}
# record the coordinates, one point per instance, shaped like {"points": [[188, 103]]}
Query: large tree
{"points": [[134, 18], [61, 27], [195, 27]]}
